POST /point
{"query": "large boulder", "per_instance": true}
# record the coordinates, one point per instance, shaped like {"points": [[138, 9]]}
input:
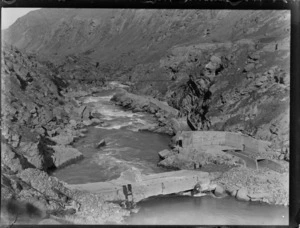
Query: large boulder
{"points": [[64, 138], [32, 153], [64, 155], [14, 161], [249, 67], [219, 191], [242, 194]]}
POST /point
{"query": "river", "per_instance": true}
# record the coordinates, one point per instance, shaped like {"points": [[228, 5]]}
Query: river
{"points": [[127, 147]]}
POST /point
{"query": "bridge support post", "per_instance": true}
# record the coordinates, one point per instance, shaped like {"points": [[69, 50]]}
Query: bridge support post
{"points": [[127, 190]]}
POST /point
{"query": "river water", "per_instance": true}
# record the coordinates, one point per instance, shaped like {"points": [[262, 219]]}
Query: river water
{"points": [[127, 147]]}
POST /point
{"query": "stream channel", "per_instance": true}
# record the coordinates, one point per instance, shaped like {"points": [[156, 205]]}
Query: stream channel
{"points": [[127, 147]]}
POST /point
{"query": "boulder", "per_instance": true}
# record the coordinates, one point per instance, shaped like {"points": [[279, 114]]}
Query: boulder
{"points": [[73, 123], [250, 75], [96, 121], [168, 162], [215, 59], [32, 153], [86, 114], [249, 67], [64, 155], [11, 159], [64, 138], [164, 153], [87, 122], [101, 143], [204, 184], [254, 56], [219, 191], [242, 194]]}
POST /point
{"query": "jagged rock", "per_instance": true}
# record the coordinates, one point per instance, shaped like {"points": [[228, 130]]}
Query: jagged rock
{"points": [[101, 143], [168, 162], [164, 153], [63, 155], [249, 67], [73, 123], [64, 138], [87, 122], [254, 56], [86, 114], [33, 155], [41, 131], [216, 59], [146, 103], [11, 159], [96, 121], [250, 75], [261, 80]]}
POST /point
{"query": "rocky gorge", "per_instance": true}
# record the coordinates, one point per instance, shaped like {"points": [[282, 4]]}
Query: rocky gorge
{"points": [[230, 74], [40, 122]]}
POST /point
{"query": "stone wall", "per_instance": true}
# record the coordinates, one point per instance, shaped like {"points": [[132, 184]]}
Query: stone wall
{"points": [[207, 138]]}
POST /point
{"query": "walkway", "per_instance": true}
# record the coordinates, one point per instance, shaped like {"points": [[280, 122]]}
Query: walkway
{"points": [[135, 186]]}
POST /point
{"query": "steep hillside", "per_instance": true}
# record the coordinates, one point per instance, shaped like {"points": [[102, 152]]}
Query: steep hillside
{"points": [[225, 70], [119, 39], [219, 70], [39, 121]]}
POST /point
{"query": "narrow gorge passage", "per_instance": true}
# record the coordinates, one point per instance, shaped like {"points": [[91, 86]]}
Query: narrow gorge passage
{"points": [[99, 105], [125, 146]]}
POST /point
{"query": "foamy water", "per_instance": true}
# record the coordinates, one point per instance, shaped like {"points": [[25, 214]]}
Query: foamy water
{"points": [[116, 117], [125, 146]]}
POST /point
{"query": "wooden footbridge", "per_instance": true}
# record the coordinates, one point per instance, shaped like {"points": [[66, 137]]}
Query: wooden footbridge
{"points": [[133, 186]]}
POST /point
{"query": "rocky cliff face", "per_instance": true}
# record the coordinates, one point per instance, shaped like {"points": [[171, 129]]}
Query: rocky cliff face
{"points": [[39, 121]]}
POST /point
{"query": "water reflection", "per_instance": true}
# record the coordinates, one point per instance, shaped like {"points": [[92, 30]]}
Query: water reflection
{"points": [[184, 210]]}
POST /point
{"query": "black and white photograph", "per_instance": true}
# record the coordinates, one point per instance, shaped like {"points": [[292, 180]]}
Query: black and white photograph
{"points": [[138, 116]]}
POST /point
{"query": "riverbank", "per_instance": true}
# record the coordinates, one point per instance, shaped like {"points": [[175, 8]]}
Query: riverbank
{"points": [[235, 178], [91, 208], [26, 179]]}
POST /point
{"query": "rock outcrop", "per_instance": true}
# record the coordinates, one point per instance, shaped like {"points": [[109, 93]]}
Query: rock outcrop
{"points": [[165, 114], [39, 122], [207, 151]]}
